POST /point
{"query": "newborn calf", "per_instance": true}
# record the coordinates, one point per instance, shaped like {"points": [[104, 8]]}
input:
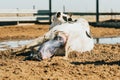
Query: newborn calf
{"points": [[48, 48]]}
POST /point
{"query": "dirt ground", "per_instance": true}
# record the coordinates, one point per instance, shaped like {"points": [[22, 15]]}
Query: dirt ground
{"points": [[103, 63]]}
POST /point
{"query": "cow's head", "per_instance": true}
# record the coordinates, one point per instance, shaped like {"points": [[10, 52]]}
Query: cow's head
{"points": [[60, 18]]}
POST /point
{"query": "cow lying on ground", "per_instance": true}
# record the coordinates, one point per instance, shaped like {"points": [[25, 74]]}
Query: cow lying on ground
{"points": [[75, 37]]}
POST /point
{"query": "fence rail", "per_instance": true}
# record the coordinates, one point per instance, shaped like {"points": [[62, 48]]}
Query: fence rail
{"points": [[10, 19], [91, 13], [18, 11], [36, 15]]}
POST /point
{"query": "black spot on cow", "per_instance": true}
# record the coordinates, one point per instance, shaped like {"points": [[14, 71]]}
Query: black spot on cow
{"points": [[65, 18], [88, 35], [58, 14]]}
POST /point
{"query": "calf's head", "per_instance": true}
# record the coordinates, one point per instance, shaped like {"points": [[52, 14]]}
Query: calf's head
{"points": [[49, 48]]}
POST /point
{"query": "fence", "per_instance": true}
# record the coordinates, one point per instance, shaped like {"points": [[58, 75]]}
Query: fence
{"points": [[24, 15], [16, 16]]}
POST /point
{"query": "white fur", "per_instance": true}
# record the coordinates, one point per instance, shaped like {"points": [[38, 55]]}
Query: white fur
{"points": [[77, 37]]}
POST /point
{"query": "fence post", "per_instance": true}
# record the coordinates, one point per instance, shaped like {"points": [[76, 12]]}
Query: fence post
{"points": [[97, 40], [17, 16], [97, 10], [50, 14]]}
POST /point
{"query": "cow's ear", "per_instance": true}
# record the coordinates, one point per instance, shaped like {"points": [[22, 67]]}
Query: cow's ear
{"points": [[58, 14], [70, 19], [70, 14]]}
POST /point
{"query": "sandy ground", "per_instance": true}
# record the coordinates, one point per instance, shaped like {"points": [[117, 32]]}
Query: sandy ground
{"points": [[34, 31], [103, 63]]}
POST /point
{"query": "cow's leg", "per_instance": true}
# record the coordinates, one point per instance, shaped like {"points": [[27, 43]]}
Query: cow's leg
{"points": [[67, 49], [33, 44], [66, 53], [36, 42]]}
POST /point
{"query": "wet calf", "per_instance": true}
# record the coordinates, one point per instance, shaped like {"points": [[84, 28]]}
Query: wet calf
{"points": [[48, 48]]}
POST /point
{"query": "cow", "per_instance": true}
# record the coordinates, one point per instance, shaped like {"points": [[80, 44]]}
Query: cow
{"points": [[75, 37]]}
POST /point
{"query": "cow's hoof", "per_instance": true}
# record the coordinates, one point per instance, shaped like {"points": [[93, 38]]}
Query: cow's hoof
{"points": [[31, 57]]}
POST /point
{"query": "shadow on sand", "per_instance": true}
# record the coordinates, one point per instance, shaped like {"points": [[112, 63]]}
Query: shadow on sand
{"points": [[98, 63]]}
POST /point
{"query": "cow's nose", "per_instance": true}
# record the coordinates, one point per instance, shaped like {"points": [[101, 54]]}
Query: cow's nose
{"points": [[65, 18]]}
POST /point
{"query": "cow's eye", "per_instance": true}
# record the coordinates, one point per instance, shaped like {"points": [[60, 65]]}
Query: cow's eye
{"points": [[65, 18], [69, 19]]}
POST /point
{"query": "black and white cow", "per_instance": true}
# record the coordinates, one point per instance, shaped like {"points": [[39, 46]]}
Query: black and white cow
{"points": [[73, 36]]}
